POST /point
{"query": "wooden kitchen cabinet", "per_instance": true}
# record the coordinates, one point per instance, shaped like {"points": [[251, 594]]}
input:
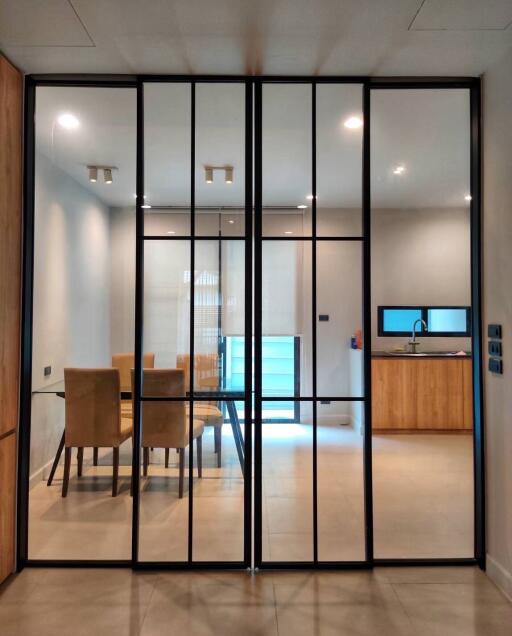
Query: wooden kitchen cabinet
{"points": [[421, 394]]}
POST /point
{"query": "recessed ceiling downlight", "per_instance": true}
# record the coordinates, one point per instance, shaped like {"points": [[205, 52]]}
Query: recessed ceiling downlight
{"points": [[302, 207], [468, 197], [68, 121], [399, 169], [352, 123]]}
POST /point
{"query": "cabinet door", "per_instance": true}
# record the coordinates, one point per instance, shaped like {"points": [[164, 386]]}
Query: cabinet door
{"points": [[7, 496], [394, 394], [467, 382], [440, 394]]}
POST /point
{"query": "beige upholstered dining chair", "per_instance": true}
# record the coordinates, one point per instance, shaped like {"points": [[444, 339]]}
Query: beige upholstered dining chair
{"points": [[206, 378], [165, 424], [93, 417]]}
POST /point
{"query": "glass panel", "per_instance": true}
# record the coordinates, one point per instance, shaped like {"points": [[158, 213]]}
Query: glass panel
{"points": [[167, 305], [340, 481], [339, 159], [218, 527], [454, 320], [220, 159], [84, 247], [339, 306], [287, 160], [287, 488], [401, 320], [167, 135], [422, 406], [286, 312]]}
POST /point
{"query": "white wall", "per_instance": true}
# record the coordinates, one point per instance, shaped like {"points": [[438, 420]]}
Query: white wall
{"points": [[71, 294], [497, 272], [420, 257]]}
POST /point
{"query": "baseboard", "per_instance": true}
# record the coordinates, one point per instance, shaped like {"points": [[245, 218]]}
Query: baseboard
{"points": [[498, 575], [41, 474], [329, 419]]}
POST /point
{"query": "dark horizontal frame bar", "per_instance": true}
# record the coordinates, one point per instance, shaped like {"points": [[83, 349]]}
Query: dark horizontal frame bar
{"points": [[318, 565], [313, 238], [318, 398], [189, 565], [78, 563], [195, 237], [469, 561], [130, 81], [195, 398]]}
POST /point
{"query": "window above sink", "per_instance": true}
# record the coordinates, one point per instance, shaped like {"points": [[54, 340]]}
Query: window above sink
{"points": [[441, 321]]}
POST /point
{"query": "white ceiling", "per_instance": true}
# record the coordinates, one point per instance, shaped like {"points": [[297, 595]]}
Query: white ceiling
{"points": [[425, 131], [342, 37]]}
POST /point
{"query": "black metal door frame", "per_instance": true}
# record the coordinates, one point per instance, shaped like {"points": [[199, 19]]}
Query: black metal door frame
{"points": [[253, 197]]}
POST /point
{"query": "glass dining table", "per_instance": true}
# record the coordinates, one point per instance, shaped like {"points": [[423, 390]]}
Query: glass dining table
{"points": [[229, 396]]}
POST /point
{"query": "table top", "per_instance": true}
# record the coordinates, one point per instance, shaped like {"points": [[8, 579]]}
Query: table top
{"points": [[58, 388]]}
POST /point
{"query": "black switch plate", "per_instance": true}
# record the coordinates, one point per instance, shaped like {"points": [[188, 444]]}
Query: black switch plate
{"points": [[323, 318], [495, 348], [494, 331], [47, 371], [495, 365], [325, 401]]}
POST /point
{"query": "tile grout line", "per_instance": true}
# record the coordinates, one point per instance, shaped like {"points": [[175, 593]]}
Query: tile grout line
{"points": [[406, 613]]}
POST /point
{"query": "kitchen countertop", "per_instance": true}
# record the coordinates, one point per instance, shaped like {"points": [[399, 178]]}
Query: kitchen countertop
{"points": [[420, 354]]}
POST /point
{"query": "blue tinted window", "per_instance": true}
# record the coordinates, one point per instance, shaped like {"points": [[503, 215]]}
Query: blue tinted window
{"points": [[401, 319], [447, 320]]}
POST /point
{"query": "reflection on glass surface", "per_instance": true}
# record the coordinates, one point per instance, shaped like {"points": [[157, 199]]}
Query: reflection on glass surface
{"points": [[422, 407], [286, 165], [340, 481], [84, 246], [287, 475], [339, 151], [339, 297], [220, 159], [286, 312]]}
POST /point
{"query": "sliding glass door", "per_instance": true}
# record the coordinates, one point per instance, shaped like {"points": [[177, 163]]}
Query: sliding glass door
{"points": [[251, 323], [195, 398], [309, 286]]}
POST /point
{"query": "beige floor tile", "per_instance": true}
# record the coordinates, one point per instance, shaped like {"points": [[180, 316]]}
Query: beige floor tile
{"points": [[456, 609]]}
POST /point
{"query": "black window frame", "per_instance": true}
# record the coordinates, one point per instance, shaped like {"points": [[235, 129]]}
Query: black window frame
{"points": [[382, 333]]}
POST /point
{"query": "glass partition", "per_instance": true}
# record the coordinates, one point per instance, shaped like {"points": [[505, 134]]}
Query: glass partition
{"points": [[421, 353], [83, 330]]}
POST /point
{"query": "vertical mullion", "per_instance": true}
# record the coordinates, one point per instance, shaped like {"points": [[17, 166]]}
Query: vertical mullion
{"points": [[476, 325], [139, 315], [313, 322], [248, 325], [257, 322], [367, 326], [191, 327]]}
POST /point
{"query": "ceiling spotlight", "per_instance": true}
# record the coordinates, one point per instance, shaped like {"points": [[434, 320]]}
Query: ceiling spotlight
{"points": [[310, 197], [208, 175], [468, 197], [399, 170], [229, 174], [107, 174], [93, 174], [288, 232], [145, 206], [170, 231], [68, 121], [231, 221], [353, 122], [302, 207]]}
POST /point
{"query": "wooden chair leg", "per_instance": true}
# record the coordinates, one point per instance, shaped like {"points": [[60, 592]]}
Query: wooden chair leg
{"points": [[80, 461], [56, 460], [182, 472], [199, 443], [95, 456], [218, 438], [145, 462], [167, 458], [67, 469], [115, 470]]}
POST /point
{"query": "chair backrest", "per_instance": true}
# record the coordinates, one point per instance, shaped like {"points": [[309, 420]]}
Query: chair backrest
{"points": [[164, 424], [93, 407], [206, 371], [125, 362]]}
